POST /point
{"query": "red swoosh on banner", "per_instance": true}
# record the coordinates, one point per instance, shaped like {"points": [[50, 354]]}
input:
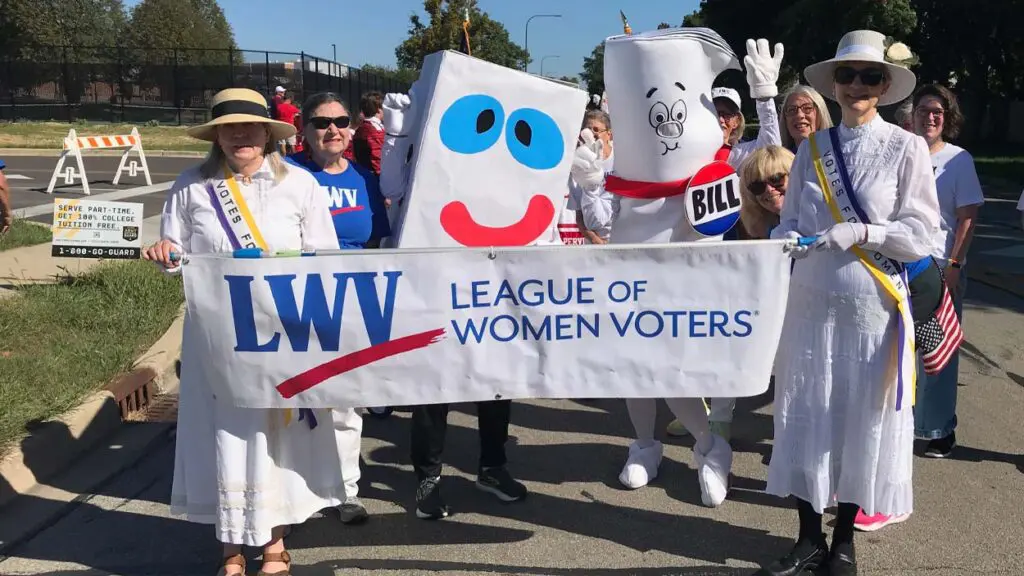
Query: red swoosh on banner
{"points": [[346, 209], [317, 374]]}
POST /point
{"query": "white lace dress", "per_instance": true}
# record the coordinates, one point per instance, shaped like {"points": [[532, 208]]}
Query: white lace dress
{"points": [[838, 436], [244, 470]]}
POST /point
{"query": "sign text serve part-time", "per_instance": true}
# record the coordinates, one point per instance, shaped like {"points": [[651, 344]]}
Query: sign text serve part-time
{"points": [[96, 229]]}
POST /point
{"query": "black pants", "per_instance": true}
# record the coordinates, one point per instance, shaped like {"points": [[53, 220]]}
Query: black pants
{"points": [[430, 424]]}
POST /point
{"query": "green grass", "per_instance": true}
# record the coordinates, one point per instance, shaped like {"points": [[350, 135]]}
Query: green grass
{"points": [[50, 135], [59, 343], [1009, 168], [24, 233]]}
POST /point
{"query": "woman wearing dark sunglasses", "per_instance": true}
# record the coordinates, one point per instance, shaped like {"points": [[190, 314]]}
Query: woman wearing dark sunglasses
{"points": [[844, 424], [763, 179], [353, 192], [360, 221]]}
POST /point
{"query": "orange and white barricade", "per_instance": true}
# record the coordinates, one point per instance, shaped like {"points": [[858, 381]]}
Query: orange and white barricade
{"points": [[74, 145]]}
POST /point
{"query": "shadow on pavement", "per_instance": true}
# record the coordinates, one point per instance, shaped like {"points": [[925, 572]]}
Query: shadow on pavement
{"points": [[968, 454], [330, 568]]}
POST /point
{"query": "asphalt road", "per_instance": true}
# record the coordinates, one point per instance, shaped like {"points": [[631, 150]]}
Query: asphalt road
{"points": [[578, 521], [28, 177]]}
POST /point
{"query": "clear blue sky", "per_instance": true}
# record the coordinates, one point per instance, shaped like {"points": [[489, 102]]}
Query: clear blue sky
{"points": [[367, 31]]}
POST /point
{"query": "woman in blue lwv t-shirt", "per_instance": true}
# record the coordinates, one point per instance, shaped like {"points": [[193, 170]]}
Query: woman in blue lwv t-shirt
{"points": [[353, 192]]}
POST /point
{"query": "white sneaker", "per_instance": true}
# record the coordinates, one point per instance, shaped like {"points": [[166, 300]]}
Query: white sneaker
{"points": [[713, 472], [642, 465]]}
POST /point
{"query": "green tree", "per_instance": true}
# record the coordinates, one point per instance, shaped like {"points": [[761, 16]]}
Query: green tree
{"points": [[403, 76], [161, 30], [27, 24], [593, 70], [977, 49], [489, 40], [809, 29], [570, 79]]}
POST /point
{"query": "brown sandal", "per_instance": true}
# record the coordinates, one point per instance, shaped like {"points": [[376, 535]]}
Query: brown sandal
{"points": [[236, 560], [284, 557]]}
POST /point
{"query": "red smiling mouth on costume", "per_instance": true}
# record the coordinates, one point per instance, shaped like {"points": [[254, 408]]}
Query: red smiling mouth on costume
{"points": [[464, 229]]}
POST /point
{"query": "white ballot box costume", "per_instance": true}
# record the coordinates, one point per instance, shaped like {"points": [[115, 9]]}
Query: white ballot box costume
{"points": [[667, 140], [478, 155], [247, 471]]}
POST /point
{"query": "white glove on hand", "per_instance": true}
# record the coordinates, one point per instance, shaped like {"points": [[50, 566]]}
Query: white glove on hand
{"points": [[587, 168], [841, 237], [796, 252], [396, 108], [763, 69]]}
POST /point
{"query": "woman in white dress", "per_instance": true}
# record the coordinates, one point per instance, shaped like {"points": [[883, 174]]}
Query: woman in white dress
{"points": [[250, 473], [844, 427]]}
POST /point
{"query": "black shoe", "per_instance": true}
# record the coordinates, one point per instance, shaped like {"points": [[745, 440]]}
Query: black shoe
{"points": [[429, 505], [353, 512], [499, 482], [941, 447], [804, 558], [842, 561]]}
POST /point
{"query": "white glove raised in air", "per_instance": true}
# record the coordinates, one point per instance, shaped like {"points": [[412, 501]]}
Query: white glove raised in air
{"points": [[587, 167], [763, 69], [841, 237], [398, 112]]}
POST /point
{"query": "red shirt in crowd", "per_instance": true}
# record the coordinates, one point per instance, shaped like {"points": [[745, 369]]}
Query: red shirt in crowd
{"points": [[367, 144], [286, 112]]}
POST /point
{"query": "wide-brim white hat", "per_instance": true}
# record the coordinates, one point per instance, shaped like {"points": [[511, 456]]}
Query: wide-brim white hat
{"points": [[864, 46], [238, 106]]}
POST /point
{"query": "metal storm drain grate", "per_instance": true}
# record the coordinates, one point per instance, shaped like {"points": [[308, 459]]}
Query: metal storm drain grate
{"points": [[133, 392]]}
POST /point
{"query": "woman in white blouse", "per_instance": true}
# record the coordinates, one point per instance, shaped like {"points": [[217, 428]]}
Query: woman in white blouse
{"points": [[250, 473], [844, 426]]}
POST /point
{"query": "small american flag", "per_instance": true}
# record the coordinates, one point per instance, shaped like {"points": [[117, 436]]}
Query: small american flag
{"points": [[940, 337]]}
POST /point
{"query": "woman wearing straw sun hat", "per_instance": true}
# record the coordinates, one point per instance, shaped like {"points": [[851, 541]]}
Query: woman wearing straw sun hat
{"points": [[844, 373], [250, 473]]}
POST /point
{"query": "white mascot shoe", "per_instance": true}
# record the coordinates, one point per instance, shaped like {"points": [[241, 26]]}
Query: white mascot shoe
{"points": [[713, 472], [642, 465]]}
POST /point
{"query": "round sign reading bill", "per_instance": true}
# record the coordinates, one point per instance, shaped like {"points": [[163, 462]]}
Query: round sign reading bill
{"points": [[713, 199]]}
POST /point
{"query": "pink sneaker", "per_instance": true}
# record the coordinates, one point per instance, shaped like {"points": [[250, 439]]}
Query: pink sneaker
{"points": [[866, 523]]}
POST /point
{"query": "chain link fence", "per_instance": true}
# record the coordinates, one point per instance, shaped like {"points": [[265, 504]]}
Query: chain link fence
{"points": [[171, 86]]}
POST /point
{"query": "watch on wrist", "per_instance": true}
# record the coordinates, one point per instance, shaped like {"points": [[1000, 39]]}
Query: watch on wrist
{"points": [[954, 263]]}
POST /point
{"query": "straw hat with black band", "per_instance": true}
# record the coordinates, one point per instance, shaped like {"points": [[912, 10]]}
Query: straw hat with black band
{"points": [[238, 106], [870, 47]]}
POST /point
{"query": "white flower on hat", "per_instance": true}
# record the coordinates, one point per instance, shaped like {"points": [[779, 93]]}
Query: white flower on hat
{"points": [[898, 52]]}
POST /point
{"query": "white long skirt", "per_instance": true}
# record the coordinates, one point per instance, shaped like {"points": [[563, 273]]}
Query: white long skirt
{"points": [[838, 436], [246, 473]]}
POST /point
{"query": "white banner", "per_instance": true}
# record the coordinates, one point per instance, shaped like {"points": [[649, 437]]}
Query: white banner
{"points": [[404, 327]]}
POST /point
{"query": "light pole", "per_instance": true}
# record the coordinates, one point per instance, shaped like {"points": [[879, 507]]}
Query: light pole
{"points": [[527, 43], [542, 62], [334, 47]]}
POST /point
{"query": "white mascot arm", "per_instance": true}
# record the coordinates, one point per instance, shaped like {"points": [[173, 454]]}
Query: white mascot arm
{"points": [[598, 209], [762, 75], [399, 122]]}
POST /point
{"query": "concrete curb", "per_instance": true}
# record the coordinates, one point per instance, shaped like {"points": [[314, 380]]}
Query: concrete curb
{"points": [[50, 152], [55, 444]]}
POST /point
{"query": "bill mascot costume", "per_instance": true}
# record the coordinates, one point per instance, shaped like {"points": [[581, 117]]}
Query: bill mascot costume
{"points": [[671, 183]]}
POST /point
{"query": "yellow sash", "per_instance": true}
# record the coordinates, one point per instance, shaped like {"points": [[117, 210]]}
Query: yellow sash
{"points": [[827, 163]]}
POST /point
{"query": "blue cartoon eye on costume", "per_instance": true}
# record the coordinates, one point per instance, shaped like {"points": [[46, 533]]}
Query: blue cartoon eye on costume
{"points": [[534, 139], [473, 123]]}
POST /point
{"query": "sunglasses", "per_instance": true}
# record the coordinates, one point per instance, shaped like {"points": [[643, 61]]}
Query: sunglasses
{"points": [[777, 181], [322, 122], [868, 76]]}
